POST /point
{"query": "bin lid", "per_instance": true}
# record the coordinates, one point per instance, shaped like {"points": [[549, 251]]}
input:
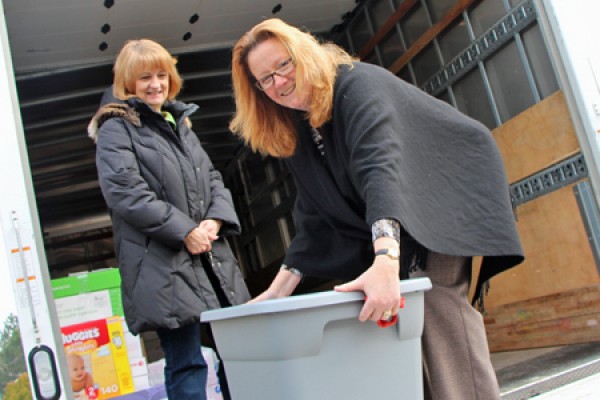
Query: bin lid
{"points": [[304, 301]]}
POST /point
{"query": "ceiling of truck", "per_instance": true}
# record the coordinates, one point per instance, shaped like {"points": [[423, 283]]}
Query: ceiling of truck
{"points": [[62, 53], [64, 33]]}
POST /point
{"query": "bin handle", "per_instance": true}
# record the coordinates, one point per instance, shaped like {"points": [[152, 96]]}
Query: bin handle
{"points": [[384, 323]]}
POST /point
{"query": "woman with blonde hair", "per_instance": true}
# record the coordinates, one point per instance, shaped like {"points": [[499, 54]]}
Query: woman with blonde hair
{"points": [[170, 212], [390, 183]]}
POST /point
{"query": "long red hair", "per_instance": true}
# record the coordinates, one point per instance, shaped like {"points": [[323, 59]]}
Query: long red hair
{"points": [[264, 125]]}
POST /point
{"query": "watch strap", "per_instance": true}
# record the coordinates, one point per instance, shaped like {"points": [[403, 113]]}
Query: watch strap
{"points": [[391, 253]]}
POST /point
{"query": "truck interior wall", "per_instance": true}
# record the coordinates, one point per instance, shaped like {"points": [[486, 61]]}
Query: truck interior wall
{"points": [[559, 257]]}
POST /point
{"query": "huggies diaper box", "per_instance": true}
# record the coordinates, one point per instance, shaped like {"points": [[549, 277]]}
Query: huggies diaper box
{"points": [[89, 297], [97, 359]]}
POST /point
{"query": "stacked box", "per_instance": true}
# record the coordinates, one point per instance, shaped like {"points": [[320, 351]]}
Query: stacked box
{"points": [[139, 372], [93, 296], [97, 292], [97, 359]]}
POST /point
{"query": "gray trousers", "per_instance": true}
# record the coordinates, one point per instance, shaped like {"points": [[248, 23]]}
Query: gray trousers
{"points": [[456, 358]]}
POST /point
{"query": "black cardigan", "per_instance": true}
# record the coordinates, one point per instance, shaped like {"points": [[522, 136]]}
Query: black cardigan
{"points": [[392, 151]]}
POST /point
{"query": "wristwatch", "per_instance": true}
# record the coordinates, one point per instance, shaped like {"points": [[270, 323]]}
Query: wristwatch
{"points": [[394, 254]]}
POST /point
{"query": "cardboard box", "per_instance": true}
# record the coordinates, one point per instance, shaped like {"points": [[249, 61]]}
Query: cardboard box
{"points": [[133, 343], [139, 366], [88, 296], [97, 359], [141, 382], [139, 371], [83, 307], [120, 356]]}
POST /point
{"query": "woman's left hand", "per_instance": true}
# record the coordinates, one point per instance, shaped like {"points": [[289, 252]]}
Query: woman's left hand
{"points": [[381, 286], [199, 240], [212, 226]]}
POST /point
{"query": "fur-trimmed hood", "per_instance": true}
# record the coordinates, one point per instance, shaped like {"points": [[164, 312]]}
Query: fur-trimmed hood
{"points": [[112, 110]]}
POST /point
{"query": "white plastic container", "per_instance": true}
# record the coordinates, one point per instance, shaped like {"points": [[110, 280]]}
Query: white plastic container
{"points": [[312, 347]]}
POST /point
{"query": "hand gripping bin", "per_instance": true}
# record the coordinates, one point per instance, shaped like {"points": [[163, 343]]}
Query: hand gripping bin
{"points": [[312, 347]]}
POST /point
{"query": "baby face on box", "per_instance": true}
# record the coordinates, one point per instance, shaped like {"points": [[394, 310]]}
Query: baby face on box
{"points": [[81, 380]]}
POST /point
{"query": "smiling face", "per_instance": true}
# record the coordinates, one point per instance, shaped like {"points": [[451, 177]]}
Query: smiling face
{"points": [[152, 86], [269, 56], [76, 368]]}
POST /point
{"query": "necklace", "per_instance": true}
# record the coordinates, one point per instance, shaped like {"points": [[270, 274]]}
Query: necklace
{"points": [[318, 139]]}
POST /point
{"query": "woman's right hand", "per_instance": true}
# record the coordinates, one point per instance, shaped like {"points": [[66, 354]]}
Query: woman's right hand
{"points": [[266, 295], [199, 240], [282, 286]]}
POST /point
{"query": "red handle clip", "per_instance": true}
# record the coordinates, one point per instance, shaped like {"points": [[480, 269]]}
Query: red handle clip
{"points": [[382, 323]]}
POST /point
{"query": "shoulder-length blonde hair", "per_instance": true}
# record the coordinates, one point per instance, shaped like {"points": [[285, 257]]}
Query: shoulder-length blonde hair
{"points": [[264, 125], [138, 56]]}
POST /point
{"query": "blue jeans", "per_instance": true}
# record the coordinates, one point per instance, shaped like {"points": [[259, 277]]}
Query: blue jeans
{"points": [[185, 369]]}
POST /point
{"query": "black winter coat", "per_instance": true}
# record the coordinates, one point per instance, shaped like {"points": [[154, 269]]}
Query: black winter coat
{"points": [[158, 185]]}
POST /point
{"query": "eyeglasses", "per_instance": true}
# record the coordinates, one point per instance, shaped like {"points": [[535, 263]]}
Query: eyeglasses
{"points": [[282, 70]]}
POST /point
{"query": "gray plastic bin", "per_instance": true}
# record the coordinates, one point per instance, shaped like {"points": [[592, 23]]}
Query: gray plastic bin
{"points": [[312, 347]]}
